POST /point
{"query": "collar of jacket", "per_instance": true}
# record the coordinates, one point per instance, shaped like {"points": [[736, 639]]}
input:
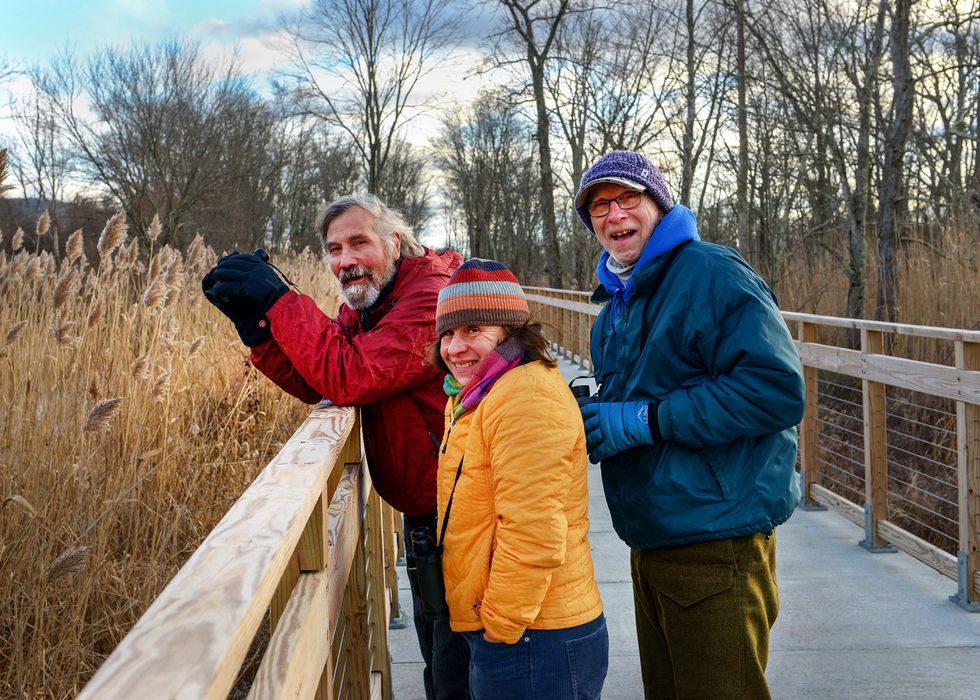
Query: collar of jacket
{"points": [[677, 227]]}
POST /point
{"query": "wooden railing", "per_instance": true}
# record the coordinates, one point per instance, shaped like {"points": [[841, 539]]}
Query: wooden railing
{"points": [[309, 544], [890, 442]]}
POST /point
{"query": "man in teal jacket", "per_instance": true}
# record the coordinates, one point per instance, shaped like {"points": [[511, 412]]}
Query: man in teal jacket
{"points": [[694, 426]]}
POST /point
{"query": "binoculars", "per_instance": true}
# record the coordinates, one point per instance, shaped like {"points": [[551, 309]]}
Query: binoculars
{"points": [[423, 561], [582, 392]]}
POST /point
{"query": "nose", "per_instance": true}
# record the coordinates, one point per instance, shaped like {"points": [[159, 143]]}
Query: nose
{"points": [[347, 260], [616, 212], [456, 345]]}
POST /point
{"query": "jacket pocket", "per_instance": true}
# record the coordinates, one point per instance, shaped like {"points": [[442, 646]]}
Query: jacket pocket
{"points": [[715, 461]]}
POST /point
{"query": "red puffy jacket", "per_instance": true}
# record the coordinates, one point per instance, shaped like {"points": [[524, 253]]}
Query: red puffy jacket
{"points": [[378, 364]]}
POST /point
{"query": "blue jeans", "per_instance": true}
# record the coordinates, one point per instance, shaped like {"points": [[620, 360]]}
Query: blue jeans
{"points": [[446, 653], [542, 665]]}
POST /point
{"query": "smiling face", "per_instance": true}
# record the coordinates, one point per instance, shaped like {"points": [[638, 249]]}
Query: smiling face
{"points": [[624, 232], [462, 348], [361, 259]]}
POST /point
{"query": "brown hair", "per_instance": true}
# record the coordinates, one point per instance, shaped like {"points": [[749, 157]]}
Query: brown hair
{"points": [[529, 336]]}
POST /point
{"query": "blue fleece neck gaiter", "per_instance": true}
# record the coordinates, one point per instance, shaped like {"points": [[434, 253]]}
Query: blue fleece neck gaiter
{"points": [[676, 227]]}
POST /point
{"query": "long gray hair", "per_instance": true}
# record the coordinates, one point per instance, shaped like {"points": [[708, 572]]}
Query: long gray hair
{"points": [[388, 221]]}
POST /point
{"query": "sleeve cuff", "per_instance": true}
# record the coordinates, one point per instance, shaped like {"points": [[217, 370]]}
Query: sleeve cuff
{"points": [[655, 422]]}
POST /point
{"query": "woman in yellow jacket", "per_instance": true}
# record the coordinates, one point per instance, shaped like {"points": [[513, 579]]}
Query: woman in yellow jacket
{"points": [[516, 559]]}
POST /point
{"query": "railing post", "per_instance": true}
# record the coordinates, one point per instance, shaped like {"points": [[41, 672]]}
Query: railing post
{"points": [[377, 593], [968, 466], [392, 548], [875, 450], [350, 454], [809, 428]]}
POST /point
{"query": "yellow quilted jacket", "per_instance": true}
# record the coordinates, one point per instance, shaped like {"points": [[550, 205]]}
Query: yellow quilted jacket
{"points": [[515, 554]]}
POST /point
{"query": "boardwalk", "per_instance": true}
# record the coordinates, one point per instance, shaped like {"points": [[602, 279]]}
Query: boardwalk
{"points": [[852, 624]]}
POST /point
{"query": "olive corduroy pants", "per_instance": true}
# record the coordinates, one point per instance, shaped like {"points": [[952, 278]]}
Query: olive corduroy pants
{"points": [[703, 616]]}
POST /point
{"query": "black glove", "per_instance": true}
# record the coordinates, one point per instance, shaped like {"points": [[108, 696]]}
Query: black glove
{"points": [[244, 287]]}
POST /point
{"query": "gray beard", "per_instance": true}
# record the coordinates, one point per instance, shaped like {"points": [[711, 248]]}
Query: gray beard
{"points": [[362, 296]]}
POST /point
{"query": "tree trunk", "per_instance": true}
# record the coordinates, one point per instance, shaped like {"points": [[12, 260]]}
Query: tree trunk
{"points": [[742, 196], [687, 157], [891, 185]]}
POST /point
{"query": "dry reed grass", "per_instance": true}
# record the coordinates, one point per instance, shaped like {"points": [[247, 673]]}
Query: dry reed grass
{"points": [[132, 421]]}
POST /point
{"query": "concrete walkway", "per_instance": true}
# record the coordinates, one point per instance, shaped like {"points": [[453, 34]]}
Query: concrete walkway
{"points": [[852, 624]]}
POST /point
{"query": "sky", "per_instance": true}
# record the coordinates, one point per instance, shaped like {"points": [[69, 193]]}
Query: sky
{"points": [[34, 30]]}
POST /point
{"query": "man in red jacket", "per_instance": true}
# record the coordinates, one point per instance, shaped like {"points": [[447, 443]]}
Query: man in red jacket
{"points": [[373, 355]]}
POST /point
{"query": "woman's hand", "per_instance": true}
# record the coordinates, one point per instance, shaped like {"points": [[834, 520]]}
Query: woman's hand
{"points": [[491, 640]]}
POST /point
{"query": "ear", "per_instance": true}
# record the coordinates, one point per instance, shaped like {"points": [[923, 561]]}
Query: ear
{"points": [[396, 245]]}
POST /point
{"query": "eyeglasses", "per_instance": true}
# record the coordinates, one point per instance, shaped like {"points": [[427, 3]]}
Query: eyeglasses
{"points": [[627, 200]]}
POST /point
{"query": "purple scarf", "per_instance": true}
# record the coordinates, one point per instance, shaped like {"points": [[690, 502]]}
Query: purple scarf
{"points": [[501, 360]]}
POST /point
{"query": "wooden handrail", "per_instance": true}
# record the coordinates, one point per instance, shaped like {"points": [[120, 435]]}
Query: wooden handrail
{"points": [[293, 544], [877, 369]]}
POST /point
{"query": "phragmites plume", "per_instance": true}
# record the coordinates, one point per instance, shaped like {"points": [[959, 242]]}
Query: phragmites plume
{"points": [[43, 224], [73, 249], [101, 416], [161, 386], [153, 233], [112, 236], [17, 241], [94, 387], [194, 347], [4, 171], [195, 252], [169, 345], [71, 561], [33, 271], [66, 287], [141, 368], [17, 331], [61, 330], [155, 293], [156, 262], [95, 314]]}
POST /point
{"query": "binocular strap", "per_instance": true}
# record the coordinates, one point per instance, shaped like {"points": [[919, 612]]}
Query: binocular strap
{"points": [[445, 519]]}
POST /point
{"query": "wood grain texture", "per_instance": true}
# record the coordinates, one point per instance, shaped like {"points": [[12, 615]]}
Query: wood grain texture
{"points": [[849, 509], [556, 304], [875, 441], [938, 380], [939, 560], [299, 649], [968, 472], [378, 607], [313, 542], [883, 327], [810, 427], [192, 640]]}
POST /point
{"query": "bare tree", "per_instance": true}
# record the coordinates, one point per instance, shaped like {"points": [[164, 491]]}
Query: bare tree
{"points": [[170, 133], [892, 193], [488, 160], [530, 31], [44, 161], [357, 65], [316, 166]]}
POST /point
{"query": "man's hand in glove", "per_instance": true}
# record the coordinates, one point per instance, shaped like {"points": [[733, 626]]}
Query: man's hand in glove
{"points": [[244, 287], [612, 427]]}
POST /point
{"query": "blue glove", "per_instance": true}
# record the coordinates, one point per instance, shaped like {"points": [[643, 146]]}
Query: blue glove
{"points": [[612, 427], [244, 287]]}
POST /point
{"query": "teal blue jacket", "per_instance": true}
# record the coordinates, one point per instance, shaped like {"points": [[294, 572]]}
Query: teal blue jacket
{"points": [[698, 334]]}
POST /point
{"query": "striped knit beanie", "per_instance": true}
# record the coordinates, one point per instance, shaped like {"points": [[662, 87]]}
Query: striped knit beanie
{"points": [[627, 168], [481, 293]]}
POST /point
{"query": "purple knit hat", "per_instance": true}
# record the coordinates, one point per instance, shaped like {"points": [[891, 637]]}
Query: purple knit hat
{"points": [[627, 168]]}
